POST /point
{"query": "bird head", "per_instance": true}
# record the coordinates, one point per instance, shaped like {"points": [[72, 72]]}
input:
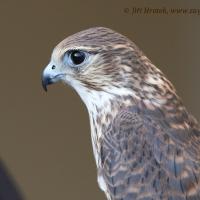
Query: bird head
{"points": [[99, 60], [91, 57]]}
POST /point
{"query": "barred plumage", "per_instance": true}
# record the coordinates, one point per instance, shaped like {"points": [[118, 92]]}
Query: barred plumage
{"points": [[145, 143]]}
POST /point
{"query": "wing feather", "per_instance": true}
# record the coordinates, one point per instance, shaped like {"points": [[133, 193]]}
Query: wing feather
{"points": [[144, 158]]}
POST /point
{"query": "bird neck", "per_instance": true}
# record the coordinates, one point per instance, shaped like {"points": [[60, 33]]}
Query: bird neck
{"points": [[102, 108], [104, 105]]}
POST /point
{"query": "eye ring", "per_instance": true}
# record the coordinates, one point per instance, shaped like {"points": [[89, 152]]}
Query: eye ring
{"points": [[77, 57]]}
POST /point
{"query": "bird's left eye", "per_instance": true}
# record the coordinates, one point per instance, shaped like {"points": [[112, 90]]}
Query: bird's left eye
{"points": [[77, 57]]}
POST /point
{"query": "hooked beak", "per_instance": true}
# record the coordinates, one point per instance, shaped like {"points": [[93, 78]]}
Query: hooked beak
{"points": [[51, 75], [46, 80]]}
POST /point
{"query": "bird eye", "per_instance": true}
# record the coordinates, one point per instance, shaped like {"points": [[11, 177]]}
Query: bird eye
{"points": [[77, 57]]}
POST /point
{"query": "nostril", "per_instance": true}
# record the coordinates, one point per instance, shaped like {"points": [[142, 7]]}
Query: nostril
{"points": [[53, 67]]}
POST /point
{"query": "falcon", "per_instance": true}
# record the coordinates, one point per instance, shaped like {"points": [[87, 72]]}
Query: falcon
{"points": [[146, 144]]}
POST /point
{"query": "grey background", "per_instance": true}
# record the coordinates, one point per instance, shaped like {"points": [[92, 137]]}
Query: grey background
{"points": [[45, 138]]}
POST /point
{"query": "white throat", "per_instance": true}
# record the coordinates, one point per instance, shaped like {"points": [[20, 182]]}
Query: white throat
{"points": [[99, 104]]}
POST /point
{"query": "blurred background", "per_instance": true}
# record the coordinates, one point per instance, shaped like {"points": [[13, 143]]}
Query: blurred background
{"points": [[45, 137]]}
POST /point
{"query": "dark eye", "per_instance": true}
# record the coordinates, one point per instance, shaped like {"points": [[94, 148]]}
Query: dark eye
{"points": [[77, 57]]}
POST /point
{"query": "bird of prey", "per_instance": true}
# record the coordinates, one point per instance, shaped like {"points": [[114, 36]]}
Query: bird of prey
{"points": [[146, 144]]}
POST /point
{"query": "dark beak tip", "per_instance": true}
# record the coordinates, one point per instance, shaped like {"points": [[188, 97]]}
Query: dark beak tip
{"points": [[45, 88], [45, 83]]}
